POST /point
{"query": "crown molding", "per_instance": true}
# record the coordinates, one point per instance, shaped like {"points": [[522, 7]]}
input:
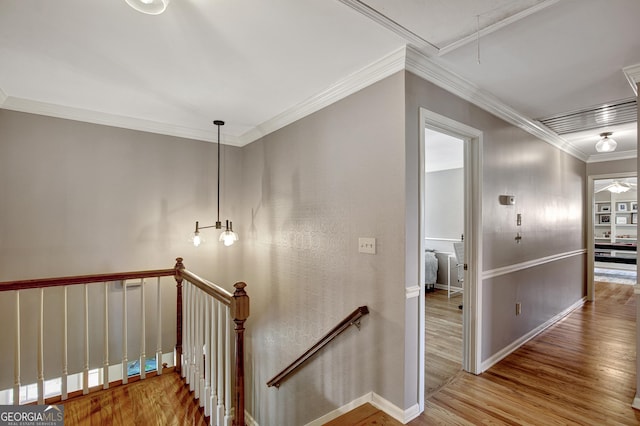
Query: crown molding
{"points": [[632, 73], [497, 26], [360, 79], [613, 156], [427, 68], [408, 35], [113, 120]]}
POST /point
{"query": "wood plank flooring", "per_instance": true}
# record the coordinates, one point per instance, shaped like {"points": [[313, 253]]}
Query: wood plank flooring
{"points": [[161, 400], [579, 372], [443, 339]]}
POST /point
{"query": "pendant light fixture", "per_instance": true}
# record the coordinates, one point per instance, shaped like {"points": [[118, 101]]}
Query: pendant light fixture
{"points": [[228, 236], [150, 7], [606, 144]]}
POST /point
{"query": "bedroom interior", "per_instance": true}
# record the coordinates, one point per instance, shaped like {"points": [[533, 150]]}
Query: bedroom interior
{"points": [[444, 228]]}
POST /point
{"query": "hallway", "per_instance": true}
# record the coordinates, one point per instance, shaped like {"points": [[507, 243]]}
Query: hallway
{"points": [[579, 372]]}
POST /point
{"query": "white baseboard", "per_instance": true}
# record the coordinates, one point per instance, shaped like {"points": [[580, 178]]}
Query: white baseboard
{"points": [[636, 402], [497, 357], [403, 416]]}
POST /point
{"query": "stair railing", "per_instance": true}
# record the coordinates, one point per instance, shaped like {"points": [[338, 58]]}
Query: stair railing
{"points": [[352, 319], [203, 324]]}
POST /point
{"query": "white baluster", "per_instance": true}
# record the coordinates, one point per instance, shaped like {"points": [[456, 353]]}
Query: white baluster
{"points": [[105, 363], [207, 356], [85, 373], [159, 329], [201, 301], [65, 345], [213, 361], [227, 368], [197, 350], [186, 332], [221, 390], [125, 361], [41, 350], [143, 335], [192, 337], [16, 354]]}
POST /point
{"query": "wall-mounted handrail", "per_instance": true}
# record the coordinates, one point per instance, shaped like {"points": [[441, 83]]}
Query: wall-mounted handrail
{"points": [[352, 319]]}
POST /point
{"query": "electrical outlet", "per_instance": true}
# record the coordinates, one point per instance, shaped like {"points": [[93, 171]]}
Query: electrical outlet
{"points": [[518, 308], [367, 245]]}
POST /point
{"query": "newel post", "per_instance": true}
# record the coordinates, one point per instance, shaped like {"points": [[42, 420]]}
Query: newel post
{"points": [[178, 277], [239, 313]]}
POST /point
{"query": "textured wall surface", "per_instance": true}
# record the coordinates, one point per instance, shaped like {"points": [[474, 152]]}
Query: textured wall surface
{"points": [[311, 189], [81, 198], [549, 186]]}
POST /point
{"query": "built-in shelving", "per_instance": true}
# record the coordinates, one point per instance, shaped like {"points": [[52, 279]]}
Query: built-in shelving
{"points": [[615, 227]]}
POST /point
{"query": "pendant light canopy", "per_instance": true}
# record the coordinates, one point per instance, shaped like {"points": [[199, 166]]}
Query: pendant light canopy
{"points": [[150, 7], [228, 236], [606, 144]]}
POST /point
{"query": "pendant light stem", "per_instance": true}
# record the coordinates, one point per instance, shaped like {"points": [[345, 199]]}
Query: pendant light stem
{"points": [[218, 123]]}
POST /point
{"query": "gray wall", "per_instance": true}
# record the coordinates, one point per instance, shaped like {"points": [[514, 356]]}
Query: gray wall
{"points": [[80, 198], [299, 198], [550, 190], [610, 167], [444, 204], [310, 190]]}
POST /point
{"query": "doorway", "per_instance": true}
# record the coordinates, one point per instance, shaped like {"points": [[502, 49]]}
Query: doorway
{"points": [[613, 231], [470, 213], [444, 271]]}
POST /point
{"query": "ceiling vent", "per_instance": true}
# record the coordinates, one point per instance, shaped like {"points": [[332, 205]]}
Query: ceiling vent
{"points": [[617, 112]]}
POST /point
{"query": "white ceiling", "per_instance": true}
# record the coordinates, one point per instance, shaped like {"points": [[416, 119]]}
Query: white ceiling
{"points": [[261, 65]]}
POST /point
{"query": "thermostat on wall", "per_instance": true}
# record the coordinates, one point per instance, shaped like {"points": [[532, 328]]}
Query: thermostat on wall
{"points": [[508, 200]]}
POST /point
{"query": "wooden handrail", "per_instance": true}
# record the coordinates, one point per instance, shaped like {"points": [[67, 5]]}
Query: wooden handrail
{"points": [[218, 293], [352, 319], [238, 304], [84, 279]]}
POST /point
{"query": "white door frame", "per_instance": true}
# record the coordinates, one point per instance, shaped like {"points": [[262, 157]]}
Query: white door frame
{"points": [[591, 241], [472, 293]]}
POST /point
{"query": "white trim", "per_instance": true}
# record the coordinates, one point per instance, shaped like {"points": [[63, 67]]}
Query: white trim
{"points": [[378, 70], [500, 355], [530, 264], [106, 119], [427, 68], [392, 26], [497, 26], [472, 293], [613, 156], [636, 402], [403, 416], [632, 73], [250, 421], [454, 240], [3, 98], [411, 292]]}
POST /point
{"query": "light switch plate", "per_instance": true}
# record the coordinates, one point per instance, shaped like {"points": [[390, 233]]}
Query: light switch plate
{"points": [[367, 245]]}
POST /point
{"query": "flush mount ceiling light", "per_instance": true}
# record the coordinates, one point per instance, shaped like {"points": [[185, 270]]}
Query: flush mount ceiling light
{"points": [[617, 187], [228, 236], [150, 7], [606, 144]]}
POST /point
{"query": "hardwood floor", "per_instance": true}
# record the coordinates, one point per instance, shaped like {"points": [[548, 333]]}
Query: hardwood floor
{"points": [[443, 340], [161, 400], [579, 372]]}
